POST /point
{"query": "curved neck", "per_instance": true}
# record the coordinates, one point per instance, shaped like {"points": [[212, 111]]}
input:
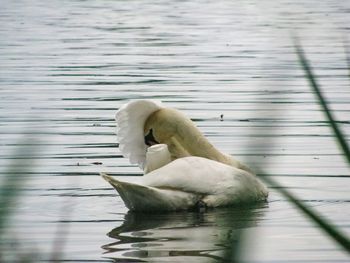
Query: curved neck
{"points": [[183, 138]]}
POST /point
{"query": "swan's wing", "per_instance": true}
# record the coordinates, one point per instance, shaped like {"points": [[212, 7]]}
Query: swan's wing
{"points": [[131, 119], [194, 174], [143, 198], [221, 184]]}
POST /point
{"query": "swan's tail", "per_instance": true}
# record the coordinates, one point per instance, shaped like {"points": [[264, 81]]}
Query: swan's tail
{"points": [[144, 198]]}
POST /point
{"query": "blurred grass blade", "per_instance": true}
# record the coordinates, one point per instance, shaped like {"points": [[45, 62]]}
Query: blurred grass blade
{"points": [[330, 229], [322, 101], [327, 227], [15, 176], [233, 253], [62, 231]]}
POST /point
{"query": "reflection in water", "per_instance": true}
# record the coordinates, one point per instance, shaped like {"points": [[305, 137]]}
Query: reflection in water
{"points": [[162, 237]]}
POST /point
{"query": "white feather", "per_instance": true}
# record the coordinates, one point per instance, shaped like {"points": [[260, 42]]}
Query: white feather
{"points": [[131, 119]]}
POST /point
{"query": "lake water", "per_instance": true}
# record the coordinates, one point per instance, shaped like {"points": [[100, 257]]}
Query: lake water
{"points": [[67, 66]]}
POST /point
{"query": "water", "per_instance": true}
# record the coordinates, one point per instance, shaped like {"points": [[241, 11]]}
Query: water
{"points": [[67, 66]]}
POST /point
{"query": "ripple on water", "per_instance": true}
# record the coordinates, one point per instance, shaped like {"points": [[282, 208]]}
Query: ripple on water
{"points": [[66, 68]]}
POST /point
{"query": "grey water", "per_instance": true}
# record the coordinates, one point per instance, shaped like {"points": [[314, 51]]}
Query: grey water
{"points": [[67, 66]]}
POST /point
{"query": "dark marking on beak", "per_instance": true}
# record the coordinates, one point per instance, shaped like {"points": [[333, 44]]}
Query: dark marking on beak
{"points": [[149, 139]]}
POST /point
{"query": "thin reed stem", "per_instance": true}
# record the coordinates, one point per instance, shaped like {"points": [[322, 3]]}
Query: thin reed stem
{"points": [[322, 101]]}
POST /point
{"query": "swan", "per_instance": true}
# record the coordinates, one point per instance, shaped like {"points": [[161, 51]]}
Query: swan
{"points": [[182, 170]]}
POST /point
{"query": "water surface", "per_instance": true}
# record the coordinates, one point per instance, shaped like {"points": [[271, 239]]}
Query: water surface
{"points": [[67, 66]]}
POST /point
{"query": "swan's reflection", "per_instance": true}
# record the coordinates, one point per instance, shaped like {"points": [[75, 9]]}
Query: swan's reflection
{"points": [[180, 237]]}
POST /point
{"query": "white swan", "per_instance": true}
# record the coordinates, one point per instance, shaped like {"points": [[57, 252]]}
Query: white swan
{"points": [[182, 169]]}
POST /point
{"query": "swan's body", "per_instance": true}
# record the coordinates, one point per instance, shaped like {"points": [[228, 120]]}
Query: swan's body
{"points": [[182, 169], [184, 182]]}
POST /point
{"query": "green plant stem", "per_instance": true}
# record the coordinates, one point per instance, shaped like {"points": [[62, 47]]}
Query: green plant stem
{"points": [[316, 88]]}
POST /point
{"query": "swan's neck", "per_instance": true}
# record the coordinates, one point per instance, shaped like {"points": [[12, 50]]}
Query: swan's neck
{"points": [[196, 144], [157, 156], [183, 137]]}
